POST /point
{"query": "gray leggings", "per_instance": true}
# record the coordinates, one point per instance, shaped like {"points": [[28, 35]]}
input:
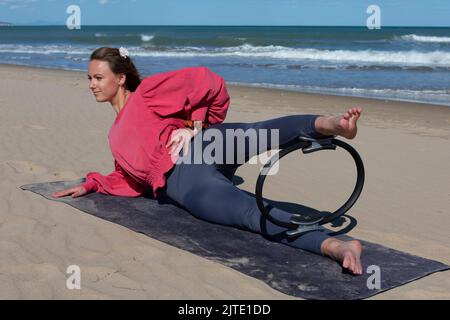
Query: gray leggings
{"points": [[207, 191]]}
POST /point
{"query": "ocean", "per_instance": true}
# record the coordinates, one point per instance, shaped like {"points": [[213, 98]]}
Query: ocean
{"points": [[393, 63]]}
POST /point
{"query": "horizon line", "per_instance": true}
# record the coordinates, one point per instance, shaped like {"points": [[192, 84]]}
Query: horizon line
{"points": [[192, 25]]}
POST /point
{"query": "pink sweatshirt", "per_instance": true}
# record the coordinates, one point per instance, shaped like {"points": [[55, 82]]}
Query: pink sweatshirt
{"points": [[143, 126]]}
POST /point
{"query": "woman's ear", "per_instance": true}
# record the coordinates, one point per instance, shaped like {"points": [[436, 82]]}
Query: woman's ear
{"points": [[122, 79]]}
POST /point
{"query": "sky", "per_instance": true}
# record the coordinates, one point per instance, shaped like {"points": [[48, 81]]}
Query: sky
{"points": [[228, 12]]}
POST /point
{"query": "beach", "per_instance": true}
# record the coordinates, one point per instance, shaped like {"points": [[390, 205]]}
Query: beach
{"points": [[52, 130]]}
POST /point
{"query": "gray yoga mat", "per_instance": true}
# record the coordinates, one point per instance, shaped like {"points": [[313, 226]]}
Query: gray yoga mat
{"points": [[292, 271]]}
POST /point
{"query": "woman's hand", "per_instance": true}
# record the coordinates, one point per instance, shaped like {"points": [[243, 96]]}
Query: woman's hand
{"points": [[76, 192], [180, 138]]}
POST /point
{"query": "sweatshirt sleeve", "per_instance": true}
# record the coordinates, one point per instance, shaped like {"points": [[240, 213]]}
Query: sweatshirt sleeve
{"points": [[116, 183], [195, 93]]}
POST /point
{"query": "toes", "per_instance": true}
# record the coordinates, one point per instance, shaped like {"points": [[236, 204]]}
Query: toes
{"points": [[353, 112], [350, 264], [354, 117], [358, 269], [356, 111], [346, 262], [353, 265]]}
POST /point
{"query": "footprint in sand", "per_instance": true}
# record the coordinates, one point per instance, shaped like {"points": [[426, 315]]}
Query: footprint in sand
{"points": [[22, 166], [30, 126], [66, 175], [35, 126], [28, 167]]}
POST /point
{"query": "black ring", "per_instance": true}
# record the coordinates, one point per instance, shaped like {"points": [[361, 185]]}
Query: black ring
{"points": [[311, 145]]}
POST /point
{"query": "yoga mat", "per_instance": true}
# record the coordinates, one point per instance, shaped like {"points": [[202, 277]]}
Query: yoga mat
{"points": [[289, 270]]}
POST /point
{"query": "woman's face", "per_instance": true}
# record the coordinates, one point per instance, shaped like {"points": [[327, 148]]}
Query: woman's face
{"points": [[103, 83]]}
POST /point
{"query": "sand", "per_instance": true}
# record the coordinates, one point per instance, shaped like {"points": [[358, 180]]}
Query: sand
{"points": [[52, 129]]}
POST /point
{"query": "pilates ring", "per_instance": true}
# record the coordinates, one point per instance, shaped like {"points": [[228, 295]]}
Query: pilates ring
{"points": [[302, 223]]}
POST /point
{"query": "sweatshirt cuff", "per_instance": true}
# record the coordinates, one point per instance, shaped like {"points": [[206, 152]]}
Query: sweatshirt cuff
{"points": [[90, 186]]}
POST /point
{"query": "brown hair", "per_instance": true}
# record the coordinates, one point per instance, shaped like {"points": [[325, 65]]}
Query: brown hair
{"points": [[118, 65]]}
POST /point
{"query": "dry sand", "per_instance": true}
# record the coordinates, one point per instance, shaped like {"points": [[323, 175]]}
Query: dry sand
{"points": [[52, 129]]}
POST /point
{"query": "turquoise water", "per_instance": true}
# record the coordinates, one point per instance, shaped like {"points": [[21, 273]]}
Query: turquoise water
{"points": [[410, 64]]}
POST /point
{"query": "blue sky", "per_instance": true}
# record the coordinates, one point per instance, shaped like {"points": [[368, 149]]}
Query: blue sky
{"points": [[228, 12]]}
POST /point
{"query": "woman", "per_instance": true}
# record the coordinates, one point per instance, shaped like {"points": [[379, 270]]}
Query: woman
{"points": [[155, 122]]}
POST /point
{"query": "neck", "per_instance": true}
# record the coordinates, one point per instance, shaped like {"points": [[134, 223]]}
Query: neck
{"points": [[118, 102]]}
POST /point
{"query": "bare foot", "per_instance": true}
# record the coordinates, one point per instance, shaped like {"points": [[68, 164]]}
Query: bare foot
{"points": [[347, 253], [343, 125]]}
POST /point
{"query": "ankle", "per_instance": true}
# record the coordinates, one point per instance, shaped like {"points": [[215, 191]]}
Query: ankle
{"points": [[323, 127]]}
